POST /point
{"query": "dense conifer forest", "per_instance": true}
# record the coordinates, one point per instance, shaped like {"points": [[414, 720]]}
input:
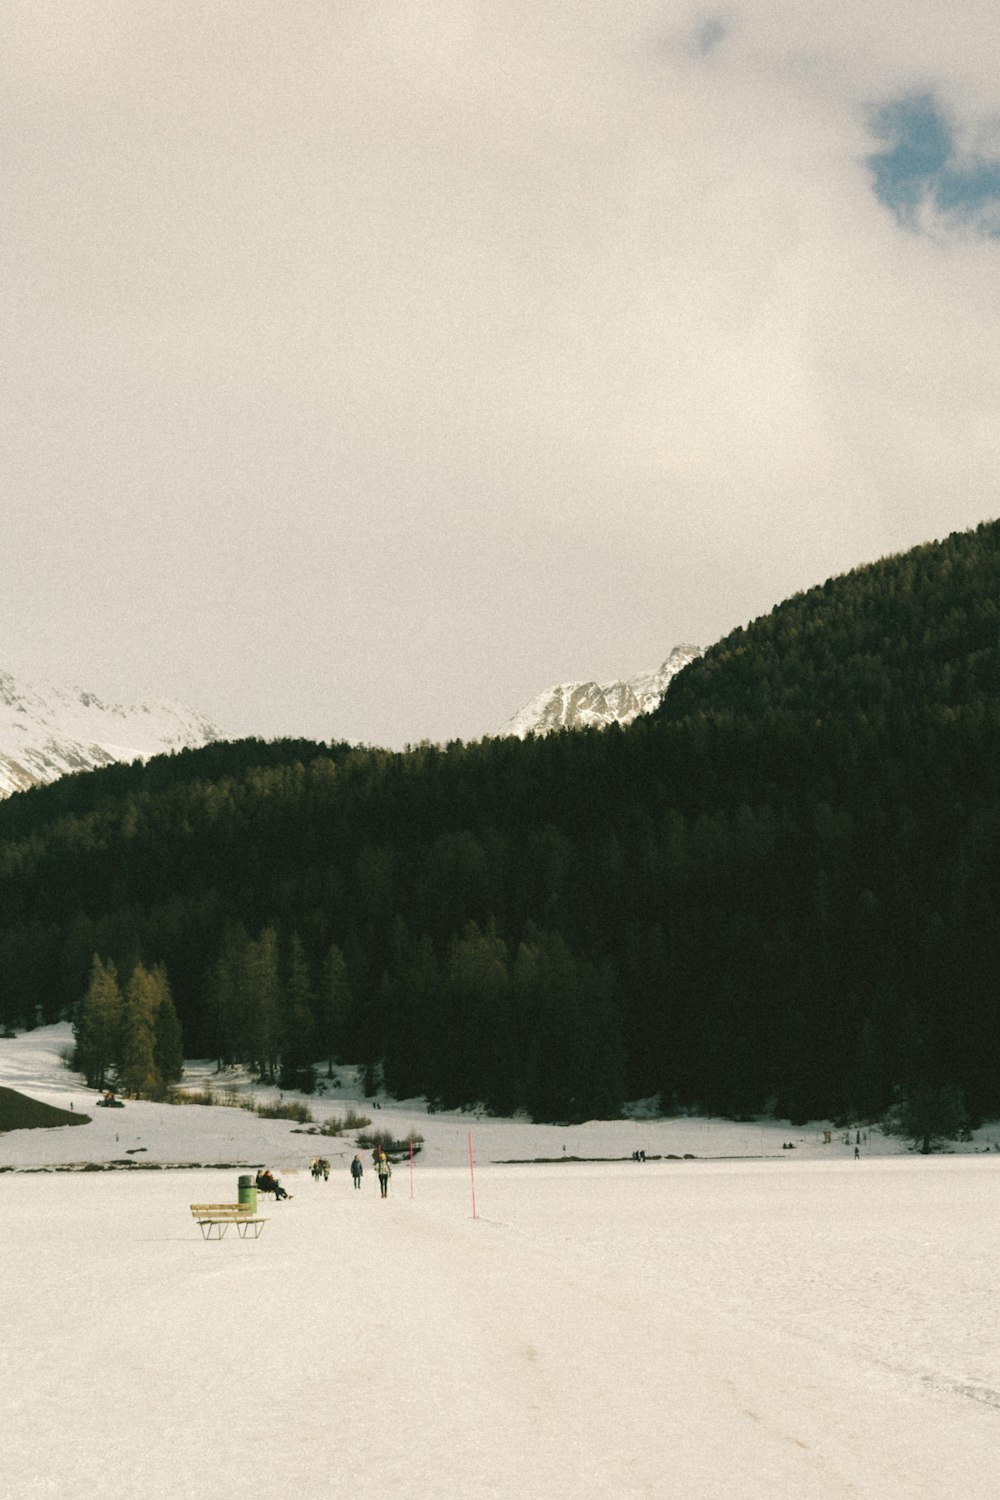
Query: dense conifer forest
{"points": [[780, 892]]}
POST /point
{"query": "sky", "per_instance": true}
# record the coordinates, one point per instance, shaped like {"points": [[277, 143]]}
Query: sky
{"points": [[752, 1322], [371, 367]]}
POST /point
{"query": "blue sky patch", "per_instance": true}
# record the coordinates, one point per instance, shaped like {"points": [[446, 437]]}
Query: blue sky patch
{"points": [[920, 167], [709, 35]]}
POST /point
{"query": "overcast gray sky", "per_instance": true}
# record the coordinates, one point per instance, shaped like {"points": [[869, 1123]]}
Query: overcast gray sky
{"points": [[371, 365]]}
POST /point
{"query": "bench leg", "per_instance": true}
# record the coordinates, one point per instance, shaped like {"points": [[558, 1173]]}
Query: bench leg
{"points": [[207, 1225]]}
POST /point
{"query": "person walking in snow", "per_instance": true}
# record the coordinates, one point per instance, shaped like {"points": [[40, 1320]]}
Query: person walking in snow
{"points": [[357, 1170], [384, 1173]]}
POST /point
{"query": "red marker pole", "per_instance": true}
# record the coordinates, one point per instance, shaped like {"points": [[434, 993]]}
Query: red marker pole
{"points": [[472, 1173], [411, 1169]]}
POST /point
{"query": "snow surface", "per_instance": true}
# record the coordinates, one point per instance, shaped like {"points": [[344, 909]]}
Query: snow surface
{"points": [[48, 731], [753, 1323], [588, 705]]}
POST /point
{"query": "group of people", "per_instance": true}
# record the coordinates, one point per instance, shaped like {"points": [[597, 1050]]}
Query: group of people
{"points": [[320, 1167], [382, 1166]]}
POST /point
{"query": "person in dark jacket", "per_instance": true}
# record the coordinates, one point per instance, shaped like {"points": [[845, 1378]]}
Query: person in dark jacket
{"points": [[357, 1170], [268, 1183]]}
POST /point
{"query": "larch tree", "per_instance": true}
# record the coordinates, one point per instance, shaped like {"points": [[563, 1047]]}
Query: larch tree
{"points": [[98, 1024], [137, 1066]]}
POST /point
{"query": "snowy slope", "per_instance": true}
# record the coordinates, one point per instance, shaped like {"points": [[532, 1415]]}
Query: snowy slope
{"points": [[803, 1327], [582, 705], [48, 731], [173, 1135]]}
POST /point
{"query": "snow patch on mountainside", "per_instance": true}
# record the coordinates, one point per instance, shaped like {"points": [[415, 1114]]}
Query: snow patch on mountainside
{"points": [[583, 705], [49, 731]]}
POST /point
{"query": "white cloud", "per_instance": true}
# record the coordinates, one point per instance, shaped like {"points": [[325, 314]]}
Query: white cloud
{"points": [[469, 347]]}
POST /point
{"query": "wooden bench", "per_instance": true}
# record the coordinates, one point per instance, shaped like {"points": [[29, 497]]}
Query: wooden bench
{"points": [[219, 1216]]}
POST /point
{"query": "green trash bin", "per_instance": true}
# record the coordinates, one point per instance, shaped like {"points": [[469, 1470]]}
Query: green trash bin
{"points": [[248, 1194]]}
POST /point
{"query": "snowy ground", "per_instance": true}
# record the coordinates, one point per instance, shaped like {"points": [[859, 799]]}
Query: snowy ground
{"points": [[754, 1324]]}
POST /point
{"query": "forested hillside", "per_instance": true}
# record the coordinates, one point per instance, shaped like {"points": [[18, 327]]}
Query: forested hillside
{"points": [[778, 892]]}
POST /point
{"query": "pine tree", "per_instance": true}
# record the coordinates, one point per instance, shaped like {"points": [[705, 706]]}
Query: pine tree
{"points": [[168, 1039], [264, 1005], [476, 988], [226, 998], [414, 1032], [335, 1009], [298, 1026], [927, 1115]]}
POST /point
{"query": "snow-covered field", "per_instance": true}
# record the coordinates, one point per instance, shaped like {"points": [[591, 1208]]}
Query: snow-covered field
{"points": [[753, 1323]]}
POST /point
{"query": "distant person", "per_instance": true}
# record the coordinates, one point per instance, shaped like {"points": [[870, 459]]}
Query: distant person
{"points": [[324, 1167], [857, 1153], [384, 1173], [357, 1170]]}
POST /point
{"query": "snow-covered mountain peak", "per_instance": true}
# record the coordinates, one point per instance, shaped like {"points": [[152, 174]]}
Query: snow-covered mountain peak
{"points": [[47, 731], [579, 705]]}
